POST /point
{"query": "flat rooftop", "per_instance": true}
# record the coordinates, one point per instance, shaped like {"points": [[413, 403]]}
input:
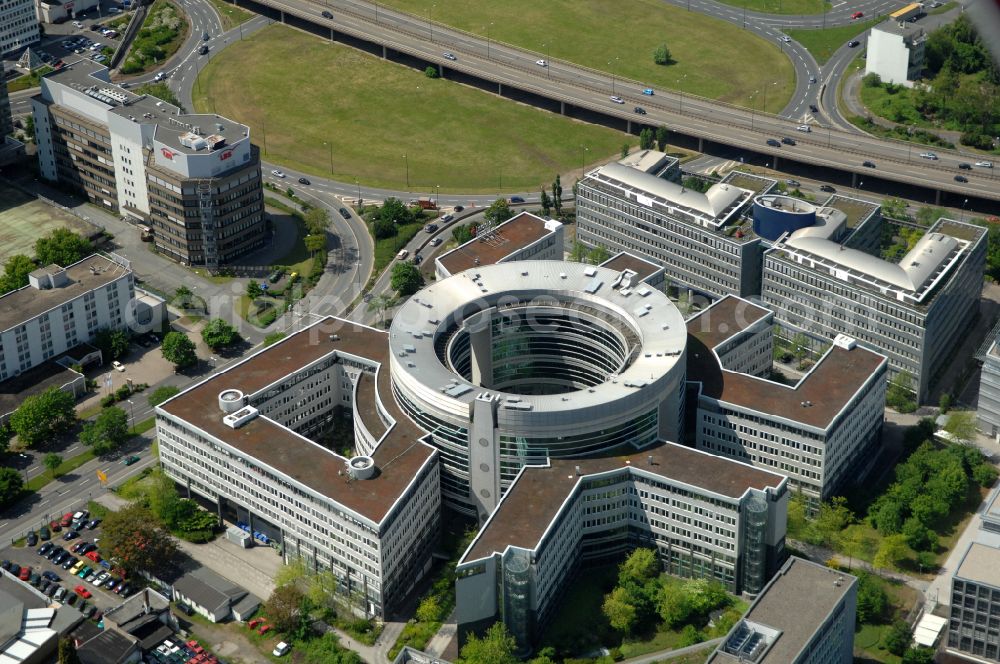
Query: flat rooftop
{"points": [[36, 380], [513, 235], [758, 184], [25, 303], [398, 457], [626, 261], [855, 210], [534, 501], [797, 601], [827, 388], [981, 563]]}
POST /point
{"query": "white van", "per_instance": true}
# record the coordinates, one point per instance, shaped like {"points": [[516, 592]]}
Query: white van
{"points": [[403, 253]]}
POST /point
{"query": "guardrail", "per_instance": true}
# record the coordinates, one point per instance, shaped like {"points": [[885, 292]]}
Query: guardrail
{"points": [[133, 27]]}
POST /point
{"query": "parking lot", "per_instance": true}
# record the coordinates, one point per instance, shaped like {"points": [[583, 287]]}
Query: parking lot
{"points": [[83, 38], [54, 578]]}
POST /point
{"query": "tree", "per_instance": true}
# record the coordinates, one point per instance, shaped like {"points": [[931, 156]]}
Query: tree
{"points": [[133, 538], [800, 343], [872, 600], [161, 394], [646, 139], [674, 605], [67, 651], [497, 646], [107, 432], [315, 243], [217, 333], [897, 638], [640, 566], [661, 55], [429, 609], [598, 255], [381, 303], [178, 349], [431, 71], [900, 394], [557, 196], [62, 247], [406, 278], [254, 290], [962, 425], [662, 135], [394, 211], [545, 202], [11, 484], [383, 229], [52, 461], [15, 272], [855, 543], [891, 552], [499, 211], [112, 343], [944, 403], [273, 338], [160, 91], [619, 610], [6, 434], [317, 220], [626, 148], [43, 416], [871, 80], [919, 655]]}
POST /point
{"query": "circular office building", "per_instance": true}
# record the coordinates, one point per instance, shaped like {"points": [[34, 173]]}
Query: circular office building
{"points": [[510, 364]]}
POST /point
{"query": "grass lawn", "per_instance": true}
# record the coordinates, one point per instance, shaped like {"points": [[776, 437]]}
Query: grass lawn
{"points": [[894, 103], [946, 7], [70, 464], [230, 14], [386, 250], [713, 58], [781, 6], [824, 43], [28, 80], [148, 51], [374, 112]]}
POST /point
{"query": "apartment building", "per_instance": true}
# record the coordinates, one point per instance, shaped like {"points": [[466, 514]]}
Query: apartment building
{"points": [[896, 52], [974, 623], [373, 518], [62, 307], [988, 407], [823, 431], [704, 241], [522, 237], [18, 25], [914, 311], [805, 615], [706, 516], [194, 179]]}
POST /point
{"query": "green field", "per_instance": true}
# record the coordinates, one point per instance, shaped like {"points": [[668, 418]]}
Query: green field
{"points": [[24, 219], [713, 58], [781, 6], [231, 14], [373, 112], [824, 43]]}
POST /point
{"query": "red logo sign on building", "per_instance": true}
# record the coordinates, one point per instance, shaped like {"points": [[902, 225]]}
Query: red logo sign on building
{"points": [[225, 155], [167, 153]]}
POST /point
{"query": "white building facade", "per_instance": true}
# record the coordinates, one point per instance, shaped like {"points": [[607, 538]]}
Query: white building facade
{"points": [[896, 52], [18, 25]]}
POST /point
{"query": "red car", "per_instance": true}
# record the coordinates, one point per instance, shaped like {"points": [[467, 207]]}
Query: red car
{"points": [[264, 629], [93, 555], [25, 573], [253, 623], [857, 15], [66, 520], [82, 592], [54, 526]]}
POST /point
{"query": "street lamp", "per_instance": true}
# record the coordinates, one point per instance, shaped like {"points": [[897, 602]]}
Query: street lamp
{"points": [[437, 197], [330, 145], [131, 416], [487, 28], [430, 25], [612, 66], [680, 94], [964, 203], [356, 182], [752, 108], [583, 159], [407, 162]]}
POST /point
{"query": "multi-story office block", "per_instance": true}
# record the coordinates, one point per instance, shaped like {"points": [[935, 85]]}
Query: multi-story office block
{"points": [[62, 307], [18, 25], [702, 240], [6, 123], [805, 615], [193, 178], [823, 431], [523, 237], [896, 52], [974, 626], [915, 312], [372, 519], [706, 516], [988, 408]]}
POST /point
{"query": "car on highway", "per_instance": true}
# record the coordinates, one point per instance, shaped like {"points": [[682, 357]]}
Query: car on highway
{"points": [[827, 188], [128, 461], [447, 217], [812, 79], [984, 164], [857, 15], [516, 199], [786, 39], [541, 63], [813, 108], [203, 50], [430, 228], [616, 99], [344, 213], [640, 110], [326, 14], [278, 174], [868, 164], [929, 155], [648, 92], [118, 366], [449, 55], [205, 36], [804, 128], [418, 259], [458, 208], [788, 141], [304, 181], [965, 166], [961, 178], [853, 43], [793, 183], [435, 242], [774, 143]]}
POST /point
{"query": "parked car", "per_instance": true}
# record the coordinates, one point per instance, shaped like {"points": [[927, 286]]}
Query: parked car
{"points": [[25, 573], [32, 538], [54, 526], [52, 589], [70, 534], [66, 519], [14, 569], [35, 578], [50, 575], [60, 594], [93, 523], [70, 562], [43, 534], [93, 555], [45, 548], [71, 599], [118, 366], [281, 649]]}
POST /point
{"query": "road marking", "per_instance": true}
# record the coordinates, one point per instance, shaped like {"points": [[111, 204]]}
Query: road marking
{"points": [[63, 493]]}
